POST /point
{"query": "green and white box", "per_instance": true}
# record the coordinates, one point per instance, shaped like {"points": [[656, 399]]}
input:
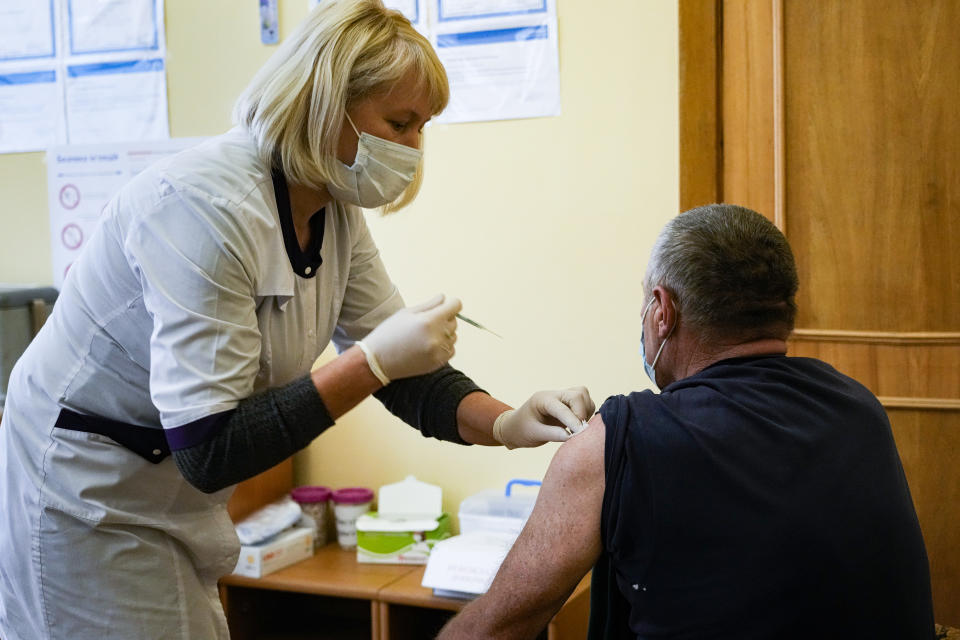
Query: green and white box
{"points": [[388, 541], [410, 520]]}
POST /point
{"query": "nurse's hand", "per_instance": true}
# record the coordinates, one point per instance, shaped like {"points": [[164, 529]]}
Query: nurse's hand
{"points": [[416, 340], [548, 416]]}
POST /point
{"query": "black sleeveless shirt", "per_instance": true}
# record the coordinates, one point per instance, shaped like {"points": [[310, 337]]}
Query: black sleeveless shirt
{"points": [[760, 498]]}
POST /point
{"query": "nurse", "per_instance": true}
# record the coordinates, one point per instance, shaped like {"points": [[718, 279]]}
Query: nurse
{"points": [[177, 359]]}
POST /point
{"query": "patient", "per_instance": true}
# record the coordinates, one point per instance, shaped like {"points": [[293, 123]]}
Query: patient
{"points": [[756, 496]]}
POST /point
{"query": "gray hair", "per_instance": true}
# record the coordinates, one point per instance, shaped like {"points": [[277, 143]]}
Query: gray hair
{"points": [[731, 271]]}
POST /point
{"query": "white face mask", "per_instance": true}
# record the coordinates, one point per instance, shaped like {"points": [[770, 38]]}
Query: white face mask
{"points": [[650, 367], [380, 172]]}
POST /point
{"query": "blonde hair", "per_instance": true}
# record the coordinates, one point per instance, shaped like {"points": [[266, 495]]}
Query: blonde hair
{"points": [[344, 51]]}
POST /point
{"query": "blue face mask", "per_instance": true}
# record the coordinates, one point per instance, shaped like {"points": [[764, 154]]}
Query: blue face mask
{"points": [[648, 367]]}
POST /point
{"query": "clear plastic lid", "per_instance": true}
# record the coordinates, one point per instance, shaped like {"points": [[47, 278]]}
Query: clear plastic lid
{"points": [[502, 503]]}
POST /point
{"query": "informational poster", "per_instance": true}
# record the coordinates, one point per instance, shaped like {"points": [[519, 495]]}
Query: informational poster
{"points": [[106, 97], [27, 29], [501, 56], [74, 71], [81, 179], [31, 113], [102, 26]]}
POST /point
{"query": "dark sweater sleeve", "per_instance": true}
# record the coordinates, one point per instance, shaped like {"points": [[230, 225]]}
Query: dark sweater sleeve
{"points": [[429, 402], [269, 427], [262, 431]]}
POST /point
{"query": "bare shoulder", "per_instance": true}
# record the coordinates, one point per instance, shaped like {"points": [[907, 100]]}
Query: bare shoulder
{"points": [[572, 491], [582, 455]]}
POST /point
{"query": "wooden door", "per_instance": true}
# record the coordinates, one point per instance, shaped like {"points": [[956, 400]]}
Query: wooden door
{"points": [[838, 119]]}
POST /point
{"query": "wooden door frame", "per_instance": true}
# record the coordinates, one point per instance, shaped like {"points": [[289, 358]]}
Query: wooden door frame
{"points": [[701, 144], [759, 130]]}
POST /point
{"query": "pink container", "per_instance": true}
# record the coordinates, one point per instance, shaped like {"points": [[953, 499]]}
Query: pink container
{"points": [[313, 502]]}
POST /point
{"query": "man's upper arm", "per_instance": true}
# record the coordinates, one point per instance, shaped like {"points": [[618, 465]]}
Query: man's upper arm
{"points": [[559, 544]]}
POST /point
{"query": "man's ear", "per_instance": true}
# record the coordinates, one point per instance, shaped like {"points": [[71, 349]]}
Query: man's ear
{"points": [[665, 315]]}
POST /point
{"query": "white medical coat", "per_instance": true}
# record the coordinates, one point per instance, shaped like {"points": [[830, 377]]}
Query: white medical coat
{"points": [[183, 304]]}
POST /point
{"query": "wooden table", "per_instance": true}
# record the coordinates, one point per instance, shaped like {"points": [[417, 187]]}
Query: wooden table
{"points": [[405, 603], [332, 596]]}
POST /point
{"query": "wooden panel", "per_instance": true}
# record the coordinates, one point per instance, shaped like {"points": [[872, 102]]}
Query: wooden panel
{"points": [[700, 150], [410, 591], [258, 614], [749, 158], [399, 622], [573, 621], [929, 445], [873, 162], [261, 489], [905, 370]]}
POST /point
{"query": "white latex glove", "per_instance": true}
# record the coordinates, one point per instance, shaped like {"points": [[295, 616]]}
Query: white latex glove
{"points": [[414, 340], [548, 416]]}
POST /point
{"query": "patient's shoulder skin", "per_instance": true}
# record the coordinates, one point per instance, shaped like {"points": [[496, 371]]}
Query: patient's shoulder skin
{"points": [[586, 445], [576, 472], [558, 546]]}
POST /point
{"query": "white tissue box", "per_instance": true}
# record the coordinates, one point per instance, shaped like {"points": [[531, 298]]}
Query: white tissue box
{"points": [[282, 550], [409, 522]]}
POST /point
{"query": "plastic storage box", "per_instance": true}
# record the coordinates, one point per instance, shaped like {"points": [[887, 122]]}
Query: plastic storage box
{"points": [[498, 511], [22, 313]]}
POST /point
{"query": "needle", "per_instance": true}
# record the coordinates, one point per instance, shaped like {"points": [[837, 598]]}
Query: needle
{"points": [[478, 325]]}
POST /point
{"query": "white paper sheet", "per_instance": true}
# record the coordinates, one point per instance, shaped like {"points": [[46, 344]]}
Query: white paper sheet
{"points": [[81, 179], [501, 58], [30, 105], [27, 29], [116, 101], [466, 564], [99, 26], [471, 9], [73, 71]]}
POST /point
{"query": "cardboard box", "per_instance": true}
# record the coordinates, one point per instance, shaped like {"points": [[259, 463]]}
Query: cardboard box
{"points": [[399, 541], [281, 551]]}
